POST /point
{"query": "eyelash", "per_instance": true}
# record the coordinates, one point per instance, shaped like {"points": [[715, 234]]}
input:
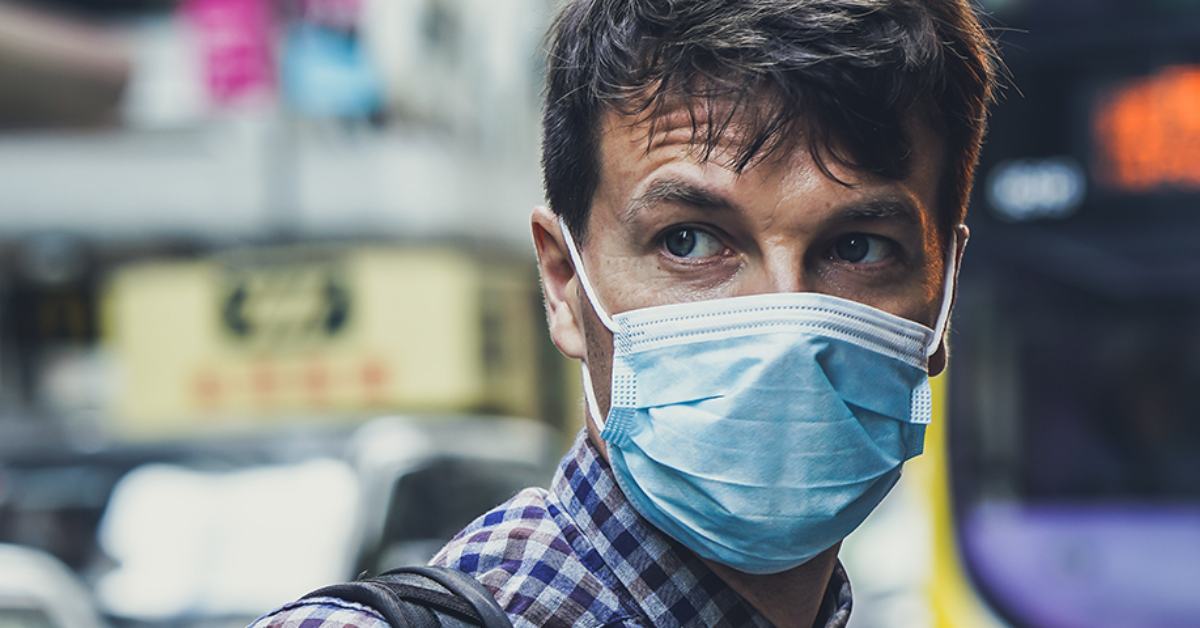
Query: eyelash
{"points": [[893, 253], [662, 241], [871, 242]]}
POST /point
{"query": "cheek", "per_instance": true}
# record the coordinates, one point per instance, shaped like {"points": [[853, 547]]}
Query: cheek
{"points": [[599, 356], [942, 288], [599, 340], [932, 304], [627, 282], [919, 302]]}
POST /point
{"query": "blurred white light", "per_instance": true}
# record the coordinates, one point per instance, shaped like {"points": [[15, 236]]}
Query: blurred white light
{"points": [[236, 543], [1034, 189]]}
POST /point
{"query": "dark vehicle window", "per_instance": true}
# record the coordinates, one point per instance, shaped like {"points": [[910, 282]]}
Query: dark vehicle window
{"points": [[1076, 440], [1080, 388], [430, 505]]}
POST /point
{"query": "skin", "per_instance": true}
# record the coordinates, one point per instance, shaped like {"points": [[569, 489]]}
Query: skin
{"points": [[779, 226]]}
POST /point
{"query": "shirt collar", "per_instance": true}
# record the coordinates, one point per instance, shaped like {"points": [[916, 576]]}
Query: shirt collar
{"points": [[670, 584]]}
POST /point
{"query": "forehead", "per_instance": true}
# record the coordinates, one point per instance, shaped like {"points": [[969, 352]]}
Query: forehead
{"points": [[705, 131], [634, 146]]}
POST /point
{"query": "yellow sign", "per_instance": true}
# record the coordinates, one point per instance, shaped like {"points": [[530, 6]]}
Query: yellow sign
{"points": [[286, 306], [279, 334]]}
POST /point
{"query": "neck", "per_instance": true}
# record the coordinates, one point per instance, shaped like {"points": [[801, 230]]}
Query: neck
{"points": [[788, 599]]}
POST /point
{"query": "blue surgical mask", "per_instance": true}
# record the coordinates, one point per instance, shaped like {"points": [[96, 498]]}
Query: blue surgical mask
{"points": [[759, 431]]}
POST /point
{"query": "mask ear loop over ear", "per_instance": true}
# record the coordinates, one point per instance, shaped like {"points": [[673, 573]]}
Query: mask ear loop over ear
{"points": [[590, 394], [605, 319], [583, 278], [939, 329]]}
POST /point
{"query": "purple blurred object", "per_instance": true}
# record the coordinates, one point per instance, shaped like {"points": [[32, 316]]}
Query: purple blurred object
{"points": [[1116, 565]]}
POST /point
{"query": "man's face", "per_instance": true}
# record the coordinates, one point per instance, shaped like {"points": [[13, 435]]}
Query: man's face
{"points": [[667, 226]]}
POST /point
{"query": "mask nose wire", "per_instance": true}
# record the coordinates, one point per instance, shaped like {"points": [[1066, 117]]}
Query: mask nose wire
{"points": [[939, 329]]}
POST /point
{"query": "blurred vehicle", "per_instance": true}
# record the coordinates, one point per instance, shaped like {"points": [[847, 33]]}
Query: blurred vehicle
{"points": [[1064, 486], [215, 532], [450, 472], [38, 591]]}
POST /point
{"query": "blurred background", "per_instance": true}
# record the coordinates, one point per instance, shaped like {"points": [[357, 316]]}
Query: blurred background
{"points": [[260, 256], [269, 315]]}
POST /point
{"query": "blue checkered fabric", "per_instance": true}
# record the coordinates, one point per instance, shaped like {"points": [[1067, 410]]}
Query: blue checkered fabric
{"points": [[579, 556], [322, 612]]}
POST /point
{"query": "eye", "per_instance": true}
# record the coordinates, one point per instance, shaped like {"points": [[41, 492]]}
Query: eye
{"points": [[860, 248], [692, 243]]}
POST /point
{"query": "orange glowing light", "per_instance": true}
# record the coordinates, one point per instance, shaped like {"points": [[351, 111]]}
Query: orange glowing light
{"points": [[1147, 133]]}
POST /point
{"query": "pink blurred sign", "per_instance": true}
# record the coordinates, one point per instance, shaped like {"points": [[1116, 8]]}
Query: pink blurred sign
{"points": [[236, 48]]}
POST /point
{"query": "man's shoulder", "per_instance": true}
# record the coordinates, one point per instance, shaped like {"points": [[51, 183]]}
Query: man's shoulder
{"points": [[524, 528], [321, 612], [537, 564]]}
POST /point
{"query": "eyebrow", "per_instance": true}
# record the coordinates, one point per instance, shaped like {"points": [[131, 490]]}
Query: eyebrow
{"points": [[678, 191], [675, 191], [901, 209]]}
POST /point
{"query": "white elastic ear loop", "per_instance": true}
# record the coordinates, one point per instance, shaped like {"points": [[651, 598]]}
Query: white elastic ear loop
{"points": [[583, 278], [947, 297], [588, 391]]}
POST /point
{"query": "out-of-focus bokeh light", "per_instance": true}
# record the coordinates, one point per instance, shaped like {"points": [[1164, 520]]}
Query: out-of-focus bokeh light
{"points": [[232, 524], [1034, 189], [1148, 132]]}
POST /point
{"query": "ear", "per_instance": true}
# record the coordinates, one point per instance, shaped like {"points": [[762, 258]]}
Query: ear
{"points": [[937, 362], [560, 285]]}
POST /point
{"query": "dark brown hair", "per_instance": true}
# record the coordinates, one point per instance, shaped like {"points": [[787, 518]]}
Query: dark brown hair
{"points": [[843, 75]]}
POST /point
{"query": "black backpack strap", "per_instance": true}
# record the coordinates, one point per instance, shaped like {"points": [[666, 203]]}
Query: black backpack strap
{"points": [[423, 597], [469, 589]]}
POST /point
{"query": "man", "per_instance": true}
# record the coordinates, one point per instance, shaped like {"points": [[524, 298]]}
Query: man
{"points": [[754, 226]]}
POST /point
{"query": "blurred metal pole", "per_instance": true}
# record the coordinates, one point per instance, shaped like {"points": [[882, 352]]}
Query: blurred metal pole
{"points": [[282, 170]]}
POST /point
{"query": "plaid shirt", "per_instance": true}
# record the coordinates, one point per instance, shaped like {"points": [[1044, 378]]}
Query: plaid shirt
{"points": [[579, 556]]}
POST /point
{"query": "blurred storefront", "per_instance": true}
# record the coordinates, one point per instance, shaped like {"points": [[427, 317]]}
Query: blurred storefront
{"points": [[347, 332], [229, 149]]}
